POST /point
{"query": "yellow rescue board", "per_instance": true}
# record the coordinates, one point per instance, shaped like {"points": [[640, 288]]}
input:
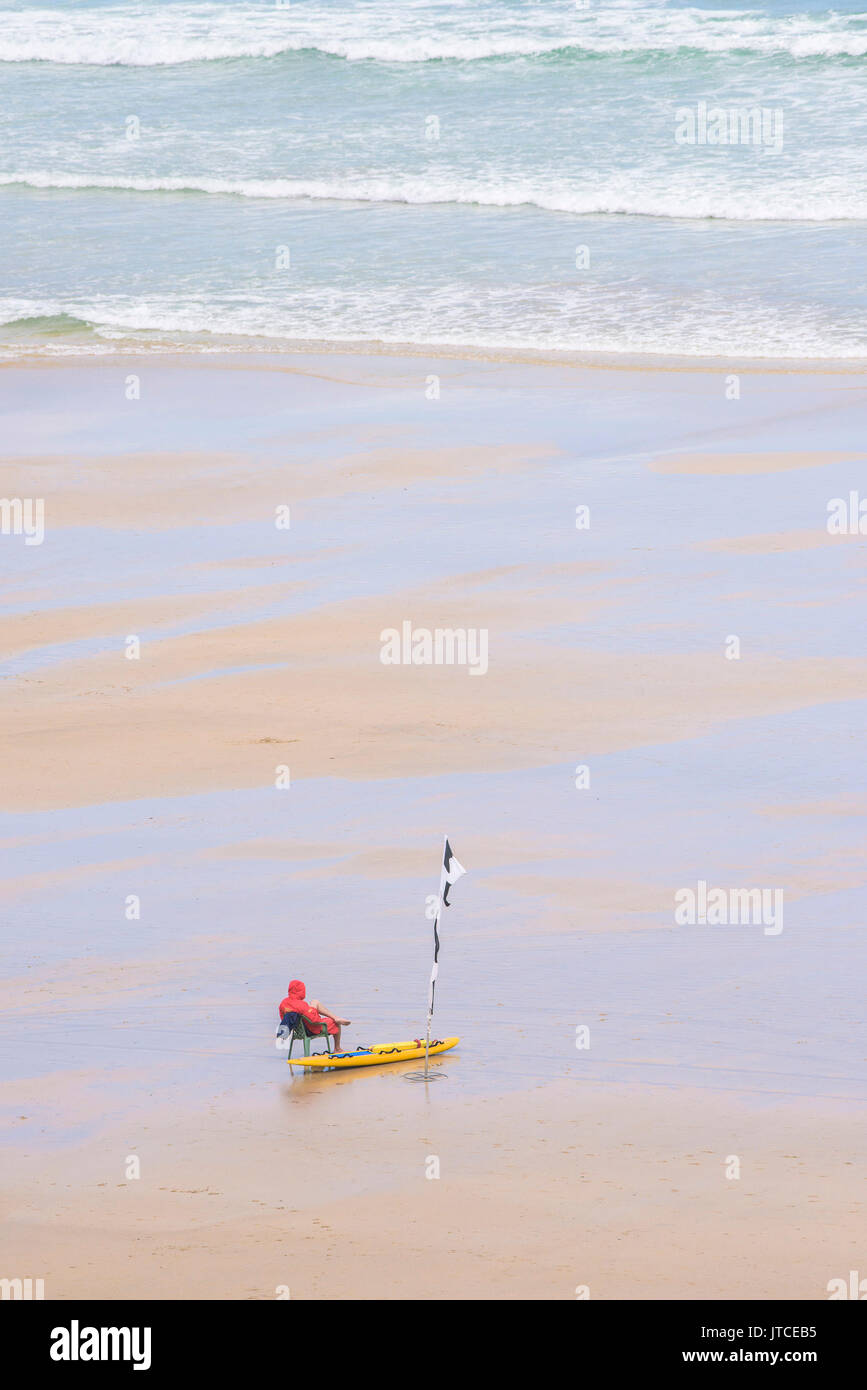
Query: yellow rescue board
{"points": [[373, 1056]]}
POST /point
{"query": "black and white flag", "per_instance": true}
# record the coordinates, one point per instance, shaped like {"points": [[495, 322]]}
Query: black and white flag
{"points": [[451, 871]]}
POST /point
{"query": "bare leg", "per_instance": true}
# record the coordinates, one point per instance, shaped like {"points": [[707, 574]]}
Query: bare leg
{"points": [[320, 1008]]}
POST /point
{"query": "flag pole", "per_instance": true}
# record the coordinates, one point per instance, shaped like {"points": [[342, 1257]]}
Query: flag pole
{"points": [[450, 870], [435, 966]]}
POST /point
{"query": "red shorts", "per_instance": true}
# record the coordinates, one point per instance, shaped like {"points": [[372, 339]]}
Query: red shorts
{"points": [[316, 1028]]}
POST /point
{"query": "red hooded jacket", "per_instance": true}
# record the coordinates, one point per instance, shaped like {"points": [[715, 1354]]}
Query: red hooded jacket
{"points": [[295, 1003]]}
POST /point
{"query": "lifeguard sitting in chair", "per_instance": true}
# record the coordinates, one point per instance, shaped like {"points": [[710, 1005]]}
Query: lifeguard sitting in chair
{"points": [[304, 1019]]}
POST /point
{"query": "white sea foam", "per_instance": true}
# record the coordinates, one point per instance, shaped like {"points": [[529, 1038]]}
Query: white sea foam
{"points": [[454, 316], [589, 143], [834, 199], [140, 36]]}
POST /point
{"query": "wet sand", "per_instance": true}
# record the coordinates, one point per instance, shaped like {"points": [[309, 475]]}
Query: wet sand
{"points": [[617, 748], [560, 1192]]}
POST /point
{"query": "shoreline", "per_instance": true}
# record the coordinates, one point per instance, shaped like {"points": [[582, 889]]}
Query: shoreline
{"points": [[212, 354]]}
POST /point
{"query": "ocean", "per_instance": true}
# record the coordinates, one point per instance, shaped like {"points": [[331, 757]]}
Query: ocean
{"points": [[668, 179]]}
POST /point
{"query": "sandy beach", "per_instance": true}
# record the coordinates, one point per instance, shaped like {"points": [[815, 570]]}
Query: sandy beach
{"points": [[197, 721]]}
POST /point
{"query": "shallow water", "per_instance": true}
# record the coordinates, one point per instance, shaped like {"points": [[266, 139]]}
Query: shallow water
{"points": [[566, 917]]}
